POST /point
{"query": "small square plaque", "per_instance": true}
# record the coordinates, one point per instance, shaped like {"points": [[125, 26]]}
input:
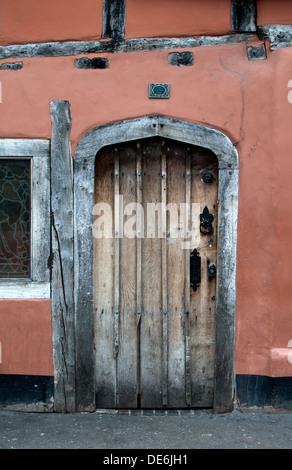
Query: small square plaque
{"points": [[158, 90]]}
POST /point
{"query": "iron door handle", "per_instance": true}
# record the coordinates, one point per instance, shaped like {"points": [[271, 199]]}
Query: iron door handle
{"points": [[195, 269]]}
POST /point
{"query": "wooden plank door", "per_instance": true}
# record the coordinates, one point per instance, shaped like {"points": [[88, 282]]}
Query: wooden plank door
{"points": [[154, 334]]}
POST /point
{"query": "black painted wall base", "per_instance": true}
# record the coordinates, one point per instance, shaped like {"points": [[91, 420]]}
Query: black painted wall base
{"points": [[24, 390], [260, 391], [252, 390]]}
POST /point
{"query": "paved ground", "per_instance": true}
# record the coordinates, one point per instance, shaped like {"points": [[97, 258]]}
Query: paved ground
{"points": [[100, 430]]}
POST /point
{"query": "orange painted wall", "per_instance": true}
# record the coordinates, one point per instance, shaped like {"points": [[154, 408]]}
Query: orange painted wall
{"points": [[274, 12], [249, 102], [265, 219], [168, 18], [25, 21], [26, 337]]}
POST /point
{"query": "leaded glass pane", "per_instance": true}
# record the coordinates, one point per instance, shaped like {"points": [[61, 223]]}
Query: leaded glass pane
{"points": [[15, 218]]}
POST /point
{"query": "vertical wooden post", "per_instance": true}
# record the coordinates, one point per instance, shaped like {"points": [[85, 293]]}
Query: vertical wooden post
{"points": [[62, 285], [244, 15], [114, 12]]}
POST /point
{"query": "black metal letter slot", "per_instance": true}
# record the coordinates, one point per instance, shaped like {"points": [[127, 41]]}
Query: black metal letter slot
{"points": [[195, 269]]}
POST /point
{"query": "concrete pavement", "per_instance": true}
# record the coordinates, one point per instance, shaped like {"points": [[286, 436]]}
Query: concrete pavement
{"points": [[200, 429]]}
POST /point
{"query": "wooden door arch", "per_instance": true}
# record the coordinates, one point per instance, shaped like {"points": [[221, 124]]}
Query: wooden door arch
{"points": [[84, 162]]}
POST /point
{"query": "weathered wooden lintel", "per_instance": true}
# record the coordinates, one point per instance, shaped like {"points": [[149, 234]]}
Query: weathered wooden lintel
{"points": [[71, 48]]}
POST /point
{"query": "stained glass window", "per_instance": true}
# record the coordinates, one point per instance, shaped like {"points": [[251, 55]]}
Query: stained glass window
{"points": [[15, 218]]}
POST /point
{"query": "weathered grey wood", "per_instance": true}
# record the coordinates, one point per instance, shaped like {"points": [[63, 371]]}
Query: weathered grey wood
{"points": [[227, 156], [225, 290], [244, 15], [150, 126], [114, 12], [24, 147], [176, 194], [139, 191], [203, 305], [38, 151], [127, 359], [83, 280], [181, 59], [41, 237], [152, 319], [188, 383], [103, 268], [256, 53], [116, 309], [71, 48], [97, 63], [25, 290], [11, 66], [62, 258], [164, 274], [279, 35]]}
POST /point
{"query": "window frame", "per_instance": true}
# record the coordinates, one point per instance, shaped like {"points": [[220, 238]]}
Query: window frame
{"points": [[37, 286]]}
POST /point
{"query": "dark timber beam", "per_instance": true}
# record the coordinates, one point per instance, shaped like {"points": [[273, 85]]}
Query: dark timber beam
{"points": [[114, 12], [62, 261], [244, 15], [71, 48]]}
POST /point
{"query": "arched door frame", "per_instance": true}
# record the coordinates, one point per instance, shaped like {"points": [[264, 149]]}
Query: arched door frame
{"points": [[84, 163]]}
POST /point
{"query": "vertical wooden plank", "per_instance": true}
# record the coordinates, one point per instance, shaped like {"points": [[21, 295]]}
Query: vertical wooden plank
{"points": [[127, 358], [118, 234], [140, 234], [188, 380], [105, 364], [164, 277], [83, 281], [202, 320], [62, 285], [175, 275], [151, 321]]}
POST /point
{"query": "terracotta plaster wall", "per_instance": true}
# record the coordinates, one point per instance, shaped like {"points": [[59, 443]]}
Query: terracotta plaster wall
{"points": [[263, 326], [248, 101], [272, 12], [62, 20], [26, 337], [168, 18], [201, 93], [25, 21]]}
